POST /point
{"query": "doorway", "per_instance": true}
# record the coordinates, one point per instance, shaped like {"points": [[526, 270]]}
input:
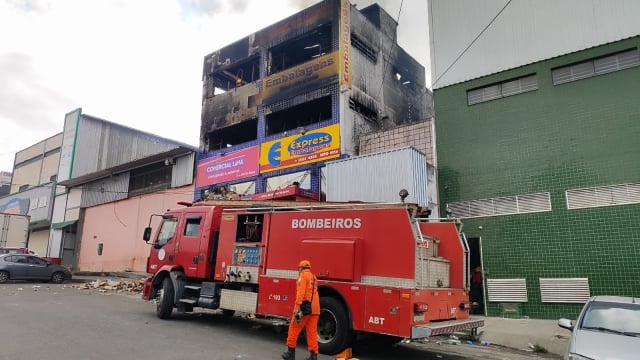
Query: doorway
{"points": [[476, 293]]}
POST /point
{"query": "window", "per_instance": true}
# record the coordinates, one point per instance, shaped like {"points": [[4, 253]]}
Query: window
{"points": [[193, 226], [20, 259], [564, 290], [167, 231], [507, 290], [222, 138], [598, 196], [503, 89], [149, 179], [300, 50], [367, 112], [299, 116], [597, 66], [507, 205], [37, 261], [365, 49]]}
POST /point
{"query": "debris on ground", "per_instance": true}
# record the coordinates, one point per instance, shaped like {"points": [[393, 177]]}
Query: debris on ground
{"points": [[128, 286]]}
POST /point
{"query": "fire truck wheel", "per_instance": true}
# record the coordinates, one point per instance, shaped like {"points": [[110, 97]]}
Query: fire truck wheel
{"points": [[334, 332], [164, 305], [228, 313]]}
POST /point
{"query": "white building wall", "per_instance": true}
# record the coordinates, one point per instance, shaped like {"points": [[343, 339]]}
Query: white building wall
{"points": [[55, 236], [527, 31]]}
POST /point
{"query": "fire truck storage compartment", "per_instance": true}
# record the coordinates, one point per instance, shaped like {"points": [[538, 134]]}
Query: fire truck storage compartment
{"points": [[244, 301], [428, 248], [434, 272], [383, 303], [333, 259], [249, 228]]}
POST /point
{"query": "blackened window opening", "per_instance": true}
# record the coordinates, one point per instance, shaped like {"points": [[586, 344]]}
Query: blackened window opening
{"points": [[365, 49], [301, 115], [300, 50], [367, 112], [232, 135], [237, 74]]}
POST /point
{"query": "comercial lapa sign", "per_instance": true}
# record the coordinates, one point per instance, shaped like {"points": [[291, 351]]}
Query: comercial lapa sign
{"points": [[228, 167]]}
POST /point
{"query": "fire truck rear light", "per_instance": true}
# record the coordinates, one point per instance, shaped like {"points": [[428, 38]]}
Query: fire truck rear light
{"points": [[405, 296], [465, 306], [420, 307]]}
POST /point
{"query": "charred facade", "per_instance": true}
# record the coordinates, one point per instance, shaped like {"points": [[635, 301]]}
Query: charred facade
{"points": [[326, 75]]}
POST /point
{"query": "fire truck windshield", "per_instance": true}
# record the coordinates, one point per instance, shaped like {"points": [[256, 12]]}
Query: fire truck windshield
{"points": [[167, 231]]}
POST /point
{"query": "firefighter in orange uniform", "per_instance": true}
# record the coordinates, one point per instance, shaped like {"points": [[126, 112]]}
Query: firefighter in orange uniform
{"points": [[307, 291]]}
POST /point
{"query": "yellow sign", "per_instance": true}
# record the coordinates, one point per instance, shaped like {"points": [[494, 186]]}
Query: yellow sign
{"points": [[345, 43], [300, 149], [315, 72]]}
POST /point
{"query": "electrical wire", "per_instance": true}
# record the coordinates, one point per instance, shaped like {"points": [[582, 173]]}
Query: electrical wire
{"points": [[393, 44], [472, 42]]}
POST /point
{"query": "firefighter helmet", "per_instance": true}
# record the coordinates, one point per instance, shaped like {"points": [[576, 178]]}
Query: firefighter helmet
{"points": [[305, 264]]}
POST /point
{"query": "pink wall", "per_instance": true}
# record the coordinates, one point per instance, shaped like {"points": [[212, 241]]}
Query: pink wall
{"points": [[119, 226]]}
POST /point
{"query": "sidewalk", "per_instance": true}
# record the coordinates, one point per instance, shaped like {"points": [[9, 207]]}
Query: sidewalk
{"points": [[523, 333]]}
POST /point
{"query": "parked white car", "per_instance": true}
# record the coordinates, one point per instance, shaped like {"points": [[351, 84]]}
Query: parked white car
{"points": [[608, 328]]}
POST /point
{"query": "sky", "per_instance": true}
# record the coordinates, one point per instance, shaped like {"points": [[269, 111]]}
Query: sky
{"points": [[134, 62]]}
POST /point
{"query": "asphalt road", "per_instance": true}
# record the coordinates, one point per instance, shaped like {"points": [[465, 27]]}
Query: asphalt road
{"points": [[46, 321]]}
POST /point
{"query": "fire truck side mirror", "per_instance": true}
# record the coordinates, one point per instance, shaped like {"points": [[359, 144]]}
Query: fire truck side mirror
{"points": [[146, 236]]}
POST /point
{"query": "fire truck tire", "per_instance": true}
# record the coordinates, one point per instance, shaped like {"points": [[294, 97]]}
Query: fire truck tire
{"points": [[228, 313], [334, 331], [164, 304]]}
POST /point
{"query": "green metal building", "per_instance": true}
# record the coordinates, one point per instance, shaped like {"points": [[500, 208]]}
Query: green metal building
{"points": [[542, 162]]}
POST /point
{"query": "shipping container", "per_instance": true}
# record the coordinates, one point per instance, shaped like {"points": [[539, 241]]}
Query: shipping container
{"points": [[14, 230], [379, 177]]}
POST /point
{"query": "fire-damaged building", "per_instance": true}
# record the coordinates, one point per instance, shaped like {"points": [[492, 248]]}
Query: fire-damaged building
{"points": [[279, 103]]}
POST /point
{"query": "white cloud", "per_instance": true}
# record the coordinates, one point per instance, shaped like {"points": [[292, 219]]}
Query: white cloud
{"points": [[133, 62]]}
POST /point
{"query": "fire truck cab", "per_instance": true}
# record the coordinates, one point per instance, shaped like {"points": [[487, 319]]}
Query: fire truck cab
{"points": [[381, 268]]}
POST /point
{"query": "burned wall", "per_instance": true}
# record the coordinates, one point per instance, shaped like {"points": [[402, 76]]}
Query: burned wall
{"points": [[234, 77], [401, 84], [228, 109]]}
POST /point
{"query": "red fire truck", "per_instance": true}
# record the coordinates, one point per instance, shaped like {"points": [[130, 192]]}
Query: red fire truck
{"points": [[381, 268]]}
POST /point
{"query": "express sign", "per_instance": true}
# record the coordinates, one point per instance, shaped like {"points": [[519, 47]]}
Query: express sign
{"points": [[299, 149]]}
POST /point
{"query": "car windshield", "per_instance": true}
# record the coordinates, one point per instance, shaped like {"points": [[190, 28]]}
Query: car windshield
{"points": [[612, 317]]}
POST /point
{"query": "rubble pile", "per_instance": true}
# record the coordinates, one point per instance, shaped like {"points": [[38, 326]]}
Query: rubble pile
{"points": [[129, 286]]}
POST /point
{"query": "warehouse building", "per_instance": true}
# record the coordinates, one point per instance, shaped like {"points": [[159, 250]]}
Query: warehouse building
{"points": [[537, 128]]}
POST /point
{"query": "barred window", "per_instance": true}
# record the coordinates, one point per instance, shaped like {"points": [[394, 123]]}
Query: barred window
{"points": [[503, 89], [505, 205], [598, 66]]}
